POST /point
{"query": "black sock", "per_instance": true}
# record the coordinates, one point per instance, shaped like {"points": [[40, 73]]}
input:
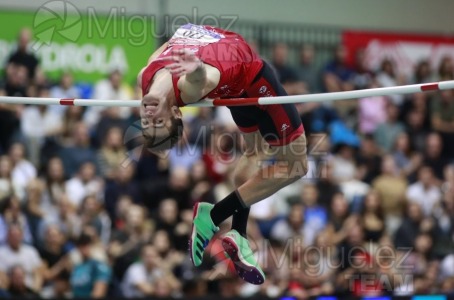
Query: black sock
{"points": [[239, 221], [227, 207]]}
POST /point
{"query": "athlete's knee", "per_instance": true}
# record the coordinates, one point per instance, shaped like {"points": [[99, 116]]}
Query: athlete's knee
{"points": [[298, 167], [298, 158]]}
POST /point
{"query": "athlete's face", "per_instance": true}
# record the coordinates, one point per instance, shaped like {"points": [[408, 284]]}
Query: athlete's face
{"points": [[157, 116], [154, 112]]}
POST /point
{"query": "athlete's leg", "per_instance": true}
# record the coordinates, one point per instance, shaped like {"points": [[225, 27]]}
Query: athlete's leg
{"points": [[235, 242], [290, 165], [248, 164]]}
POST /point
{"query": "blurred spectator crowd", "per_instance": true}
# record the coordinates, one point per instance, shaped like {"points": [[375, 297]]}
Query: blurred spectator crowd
{"points": [[86, 212]]}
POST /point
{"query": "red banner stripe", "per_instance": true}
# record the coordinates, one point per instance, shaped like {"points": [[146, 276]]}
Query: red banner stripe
{"points": [[430, 87], [66, 101]]}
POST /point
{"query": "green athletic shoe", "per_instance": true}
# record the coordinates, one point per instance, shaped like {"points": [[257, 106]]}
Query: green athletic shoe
{"points": [[202, 231], [237, 248]]}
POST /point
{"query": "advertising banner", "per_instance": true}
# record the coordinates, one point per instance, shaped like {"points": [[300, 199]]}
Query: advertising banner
{"points": [[87, 43], [404, 49]]}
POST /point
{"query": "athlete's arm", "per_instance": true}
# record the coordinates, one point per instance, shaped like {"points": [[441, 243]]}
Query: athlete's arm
{"points": [[196, 78]]}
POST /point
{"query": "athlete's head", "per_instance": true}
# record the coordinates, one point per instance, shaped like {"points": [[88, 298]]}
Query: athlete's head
{"points": [[161, 122]]}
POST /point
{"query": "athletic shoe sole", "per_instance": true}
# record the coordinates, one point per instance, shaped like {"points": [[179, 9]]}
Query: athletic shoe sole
{"points": [[245, 270]]}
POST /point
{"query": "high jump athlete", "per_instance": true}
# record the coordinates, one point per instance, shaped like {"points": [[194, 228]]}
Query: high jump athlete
{"points": [[207, 62]]}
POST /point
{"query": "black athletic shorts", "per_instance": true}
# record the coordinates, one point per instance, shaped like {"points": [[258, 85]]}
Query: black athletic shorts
{"points": [[279, 124]]}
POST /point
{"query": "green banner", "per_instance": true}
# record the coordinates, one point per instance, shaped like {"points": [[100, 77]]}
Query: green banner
{"points": [[86, 43]]}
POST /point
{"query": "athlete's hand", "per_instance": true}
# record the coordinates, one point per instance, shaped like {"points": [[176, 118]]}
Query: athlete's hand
{"points": [[184, 61]]}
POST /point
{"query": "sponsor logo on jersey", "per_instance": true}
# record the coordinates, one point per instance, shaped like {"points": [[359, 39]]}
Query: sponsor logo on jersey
{"points": [[284, 127]]}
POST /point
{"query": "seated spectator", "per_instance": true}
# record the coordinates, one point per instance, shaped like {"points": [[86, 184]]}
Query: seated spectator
{"points": [[407, 160], [71, 119], [85, 183], [23, 170], [90, 278], [337, 76], [91, 214], [184, 155], [50, 125], [391, 187], [314, 214], [279, 61], [433, 154], [420, 102], [121, 184], [327, 186], [442, 118], [416, 129], [177, 186], [170, 257], [350, 247], [354, 190], [388, 76], [111, 88], [18, 287], [54, 185], [13, 215], [33, 207], [317, 273], [66, 219], [413, 224], [292, 226], [8, 186], [307, 69], [386, 133], [421, 254], [443, 217], [372, 218], [363, 77], [110, 118], [422, 73], [65, 90], [16, 253], [343, 163], [126, 243], [446, 68], [140, 278], [425, 191], [368, 160], [121, 211], [339, 220], [54, 254], [112, 152], [167, 217], [78, 151], [372, 111], [220, 155], [199, 129]]}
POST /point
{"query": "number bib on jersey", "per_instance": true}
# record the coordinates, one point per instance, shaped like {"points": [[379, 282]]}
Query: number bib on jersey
{"points": [[191, 34]]}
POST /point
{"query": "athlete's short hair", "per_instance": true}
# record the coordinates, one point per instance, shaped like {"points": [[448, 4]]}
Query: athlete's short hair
{"points": [[156, 143]]}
